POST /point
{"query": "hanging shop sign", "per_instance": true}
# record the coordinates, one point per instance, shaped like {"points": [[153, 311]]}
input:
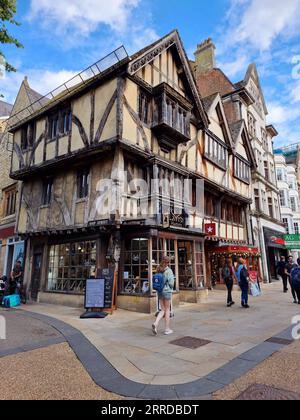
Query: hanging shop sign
{"points": [[274, 239], [174, 219], [210, 229], [292, 242]]}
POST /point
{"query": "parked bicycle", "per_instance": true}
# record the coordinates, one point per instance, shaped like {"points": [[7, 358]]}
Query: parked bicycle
{"points": [[3, 288]]}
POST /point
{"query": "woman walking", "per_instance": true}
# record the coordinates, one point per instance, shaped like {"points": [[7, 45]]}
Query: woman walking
{"points": [[165, 297], [228, 276]]}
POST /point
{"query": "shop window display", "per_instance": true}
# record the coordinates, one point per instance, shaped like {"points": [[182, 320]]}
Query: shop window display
{"points": [[218, 259], [185, 265], [136, 266], [161, 248], [70, 265], [199, 255]]}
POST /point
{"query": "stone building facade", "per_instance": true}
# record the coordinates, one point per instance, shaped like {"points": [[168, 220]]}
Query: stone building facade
{"points": [[289, 200], [245, 106], [11, 245]]}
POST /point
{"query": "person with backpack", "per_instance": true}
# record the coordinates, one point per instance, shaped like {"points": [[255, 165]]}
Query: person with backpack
{"points": [[163, 283], [288, 271], [243, 279], [295, 280], [228, 276]]}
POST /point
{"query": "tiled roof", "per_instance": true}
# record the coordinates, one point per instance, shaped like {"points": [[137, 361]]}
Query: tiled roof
{"points": [[207, 102], [235, 129], [5, 109]]}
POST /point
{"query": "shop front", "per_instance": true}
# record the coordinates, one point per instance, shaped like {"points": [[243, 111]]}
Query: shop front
{"points": [[58, 267], [140, 256], [219, 255], [11, 250], [275, 248]]}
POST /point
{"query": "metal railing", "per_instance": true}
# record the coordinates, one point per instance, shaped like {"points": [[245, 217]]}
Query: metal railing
{"points": [[287, 150], [82, 78]]}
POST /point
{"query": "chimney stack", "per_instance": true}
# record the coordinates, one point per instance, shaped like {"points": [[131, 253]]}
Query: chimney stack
{"points": [[205, 57]]}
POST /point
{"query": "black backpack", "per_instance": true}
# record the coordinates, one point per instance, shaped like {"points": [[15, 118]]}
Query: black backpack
{"points": [[245, 276]]}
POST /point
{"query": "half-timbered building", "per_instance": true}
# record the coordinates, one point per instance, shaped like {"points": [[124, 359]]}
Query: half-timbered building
{"points": [[112, 166]]}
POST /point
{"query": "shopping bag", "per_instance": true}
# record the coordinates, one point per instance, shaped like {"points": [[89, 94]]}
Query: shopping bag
{"points": [[255, 290]]}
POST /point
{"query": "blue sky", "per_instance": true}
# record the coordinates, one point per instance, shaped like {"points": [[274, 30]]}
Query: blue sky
{"points": [[63, 37]]}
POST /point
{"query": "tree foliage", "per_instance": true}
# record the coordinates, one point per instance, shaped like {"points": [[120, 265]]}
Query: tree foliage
{"points": [[8, 9]]}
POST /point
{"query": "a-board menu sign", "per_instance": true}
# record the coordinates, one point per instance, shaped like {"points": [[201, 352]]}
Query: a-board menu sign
{"points": [[108, 274], [95, 294]]}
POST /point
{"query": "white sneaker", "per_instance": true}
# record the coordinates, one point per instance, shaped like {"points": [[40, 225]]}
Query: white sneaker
{"points": [[169, 332]]}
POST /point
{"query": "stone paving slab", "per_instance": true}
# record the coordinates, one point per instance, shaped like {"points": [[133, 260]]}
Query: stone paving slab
{"points": [[197, 389], [261, 352]]}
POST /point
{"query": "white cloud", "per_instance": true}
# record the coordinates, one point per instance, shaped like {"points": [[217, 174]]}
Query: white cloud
{"points": [[234, 67], [280, 113], [83, 16], [295, 92], [42, 81], [262, 21], [285, 118]]}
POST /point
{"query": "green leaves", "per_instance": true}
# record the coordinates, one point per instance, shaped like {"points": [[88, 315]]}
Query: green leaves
{"points": [[8, 9]]}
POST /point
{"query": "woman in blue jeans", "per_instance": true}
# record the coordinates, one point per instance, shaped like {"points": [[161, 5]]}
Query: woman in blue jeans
{"points": [[243, 279], [165, 297]]}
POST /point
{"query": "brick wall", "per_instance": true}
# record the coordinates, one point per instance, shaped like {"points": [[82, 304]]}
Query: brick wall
{"points": [[213, 82]]}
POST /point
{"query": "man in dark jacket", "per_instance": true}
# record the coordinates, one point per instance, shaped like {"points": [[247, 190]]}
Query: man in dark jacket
{"points": [[288, 269], [281, 272]]}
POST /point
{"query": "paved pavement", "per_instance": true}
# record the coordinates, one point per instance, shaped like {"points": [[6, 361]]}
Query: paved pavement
{"points": [[122, 356], [126, 341]]}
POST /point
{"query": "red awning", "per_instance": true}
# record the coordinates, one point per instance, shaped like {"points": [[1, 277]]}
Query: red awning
{"points": [[7, 232], [236, 249]]}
